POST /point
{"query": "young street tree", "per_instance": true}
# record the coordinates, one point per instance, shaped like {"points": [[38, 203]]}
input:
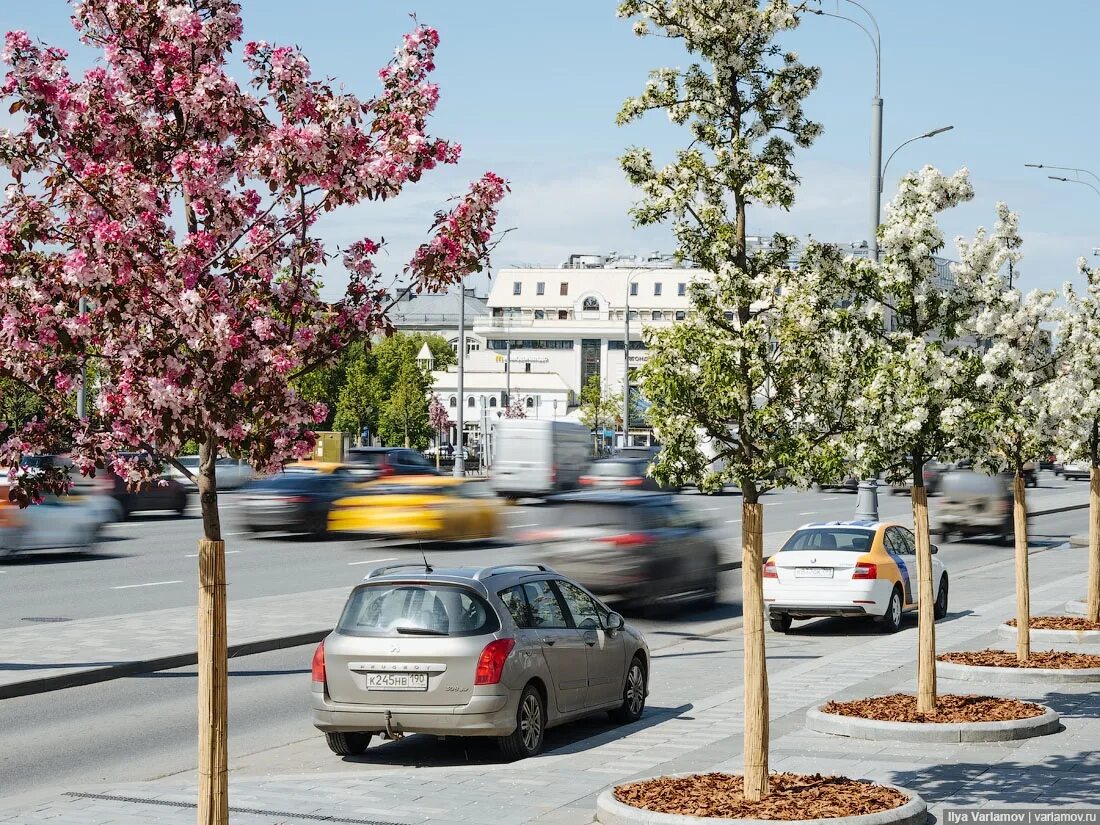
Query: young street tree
{"points": [[1074, 398], [597, 409], [1010, 423], [404, 417], [763, 370], [923, 388], [180, 207]]}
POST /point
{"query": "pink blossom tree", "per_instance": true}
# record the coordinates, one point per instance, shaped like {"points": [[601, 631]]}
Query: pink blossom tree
{"points": [[515, 409], [160, 228], [440, 421]]}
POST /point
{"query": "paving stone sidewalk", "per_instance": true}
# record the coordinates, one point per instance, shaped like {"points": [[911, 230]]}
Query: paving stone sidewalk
{"points": [[693, 723]]}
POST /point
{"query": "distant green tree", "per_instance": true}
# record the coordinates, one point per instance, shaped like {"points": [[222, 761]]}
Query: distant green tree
{"points": [[18, 405], [404, 417], [598, 409]]}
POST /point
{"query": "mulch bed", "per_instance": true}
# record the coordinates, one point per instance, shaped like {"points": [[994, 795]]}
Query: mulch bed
{"points": [[1058, 623], [791, 796], [1038, 659], [901, 707]]}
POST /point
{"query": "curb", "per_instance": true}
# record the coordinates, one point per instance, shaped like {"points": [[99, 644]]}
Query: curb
{"points": [[1080, 540], [1055, 510], [856, 727], [1055, 637], [1076, 608], [1017, 675], [120, 670], [610, 811]]}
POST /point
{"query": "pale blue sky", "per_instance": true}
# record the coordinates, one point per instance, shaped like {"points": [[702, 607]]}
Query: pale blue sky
{"points": [[531, 91]]}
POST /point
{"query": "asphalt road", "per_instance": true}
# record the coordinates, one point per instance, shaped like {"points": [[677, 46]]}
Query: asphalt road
{"points": [[150, 562]]}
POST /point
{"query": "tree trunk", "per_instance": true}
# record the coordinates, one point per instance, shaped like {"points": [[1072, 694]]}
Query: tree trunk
{"points": [[438, 446], [926, 619], [756, 672], [213, 702], [1092, 605], [1023, 591]]}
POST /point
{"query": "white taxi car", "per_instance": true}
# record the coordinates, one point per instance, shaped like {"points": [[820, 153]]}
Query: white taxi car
{"points": [[848, 568]]}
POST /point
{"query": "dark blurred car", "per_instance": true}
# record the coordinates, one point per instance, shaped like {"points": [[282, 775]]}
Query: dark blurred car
{"points": [[383, 462], [637, 547], [160, 493], [622, 473], [1048, 462], [295, 501], [974, 504]]}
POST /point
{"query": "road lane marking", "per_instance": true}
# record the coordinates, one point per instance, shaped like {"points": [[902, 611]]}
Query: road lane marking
{"points": [[196, 555], [709, 508], [371, 561], [810, 513], [517, 526], [147, 584], [831, 498], [732, 520]]}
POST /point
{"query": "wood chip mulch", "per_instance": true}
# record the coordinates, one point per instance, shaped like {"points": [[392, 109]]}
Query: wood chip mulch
{"points": [[1058, 623], [901, 707], [1038, 659], [791, 796]]}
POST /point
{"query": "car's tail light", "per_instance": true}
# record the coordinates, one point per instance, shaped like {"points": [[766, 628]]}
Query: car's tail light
{"points": [[1005, 506], [586, 481], [387, 471], [491, 664], [317, 671], [633, 482], [296, 499], [553, 473], [769, 570], [627, 539], [865, 570]]}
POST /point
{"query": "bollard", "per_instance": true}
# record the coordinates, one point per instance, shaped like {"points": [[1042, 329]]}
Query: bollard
{"points": [[867, 501]]}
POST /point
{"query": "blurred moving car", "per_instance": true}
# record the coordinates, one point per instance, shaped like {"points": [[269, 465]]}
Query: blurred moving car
{"points": [[57, 523], [1076, 469], [1048, 462], [622, 473], [162, 493], [848, 568], [505, 651], [931, 474], [435, 508], [534, 458], [231, 473], [636, 547], [383, 462], [974, 504], [296, 500]]}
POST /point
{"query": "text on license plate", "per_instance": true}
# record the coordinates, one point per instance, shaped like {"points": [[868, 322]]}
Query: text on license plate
{"points": [[397, 681], [813, 572]]}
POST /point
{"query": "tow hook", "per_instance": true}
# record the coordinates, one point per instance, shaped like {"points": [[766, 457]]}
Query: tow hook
{"points": [[391, 734]]}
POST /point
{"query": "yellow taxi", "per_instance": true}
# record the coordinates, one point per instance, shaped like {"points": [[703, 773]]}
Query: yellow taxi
{"points": [[435, 508]]}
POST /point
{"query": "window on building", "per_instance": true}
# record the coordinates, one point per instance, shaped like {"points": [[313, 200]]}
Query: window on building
{"points": [[517, 288], [498, 312], [492, 401], [454, 346], [454, 401], [728, 316], [530, 402], [470, 401], [527, 367], [680, 315], [540, 288], [564, 288], [681, 289], [590, 304], [563, 315], [657, 289], [540, 315], [655, 316], [633, 315], [633, 288], [472, 346]]}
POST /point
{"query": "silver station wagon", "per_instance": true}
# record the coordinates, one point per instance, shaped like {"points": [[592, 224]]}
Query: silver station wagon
{"points": [[504, 651]]}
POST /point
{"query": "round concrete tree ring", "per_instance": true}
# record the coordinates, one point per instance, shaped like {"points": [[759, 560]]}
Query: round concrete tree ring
{"points": [[1017, 675], [1076, 608], [610, 811], [1042, 638], [856, 727]]}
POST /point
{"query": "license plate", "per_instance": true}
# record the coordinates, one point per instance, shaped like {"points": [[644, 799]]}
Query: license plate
{"points": [[813, 572], [397, 681]]}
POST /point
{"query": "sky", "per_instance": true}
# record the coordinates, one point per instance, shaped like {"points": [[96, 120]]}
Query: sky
{"points": [[531, 90]]}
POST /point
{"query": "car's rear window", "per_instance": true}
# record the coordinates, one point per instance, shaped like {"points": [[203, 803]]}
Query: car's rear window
{"points": [[830, 538], [618, 469], [289, 481], [372, 459], [597, 515], [396, 610]]}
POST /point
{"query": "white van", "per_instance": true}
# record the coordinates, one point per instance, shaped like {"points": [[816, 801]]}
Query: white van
{"points": [[533, 458]]}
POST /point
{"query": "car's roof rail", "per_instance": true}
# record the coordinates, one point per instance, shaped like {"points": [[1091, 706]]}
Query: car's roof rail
{"points": [[381, 571], [500, 569]]}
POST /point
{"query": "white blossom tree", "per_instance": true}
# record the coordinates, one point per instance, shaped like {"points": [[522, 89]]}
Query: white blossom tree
{"points": [[1074, 399], [923, 389], [1011, 424], [762, 368]]}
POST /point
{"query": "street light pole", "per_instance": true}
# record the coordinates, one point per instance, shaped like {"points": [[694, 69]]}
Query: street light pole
{"points": [[626, 359], [460, 463]]}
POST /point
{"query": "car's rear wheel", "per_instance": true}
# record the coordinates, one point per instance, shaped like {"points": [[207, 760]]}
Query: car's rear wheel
{"points": [[940, 609], [526, 740], [780, 622], [891, 620], [633, 695], [345, 743]]}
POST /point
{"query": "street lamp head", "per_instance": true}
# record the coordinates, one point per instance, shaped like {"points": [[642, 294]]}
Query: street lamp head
{"points": [[939, 131], [1056, 177], [1034, 165]]}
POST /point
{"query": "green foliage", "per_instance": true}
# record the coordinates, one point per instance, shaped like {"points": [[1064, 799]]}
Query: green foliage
{"points": [[18, 405], [599, 410], [404, 419]]}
